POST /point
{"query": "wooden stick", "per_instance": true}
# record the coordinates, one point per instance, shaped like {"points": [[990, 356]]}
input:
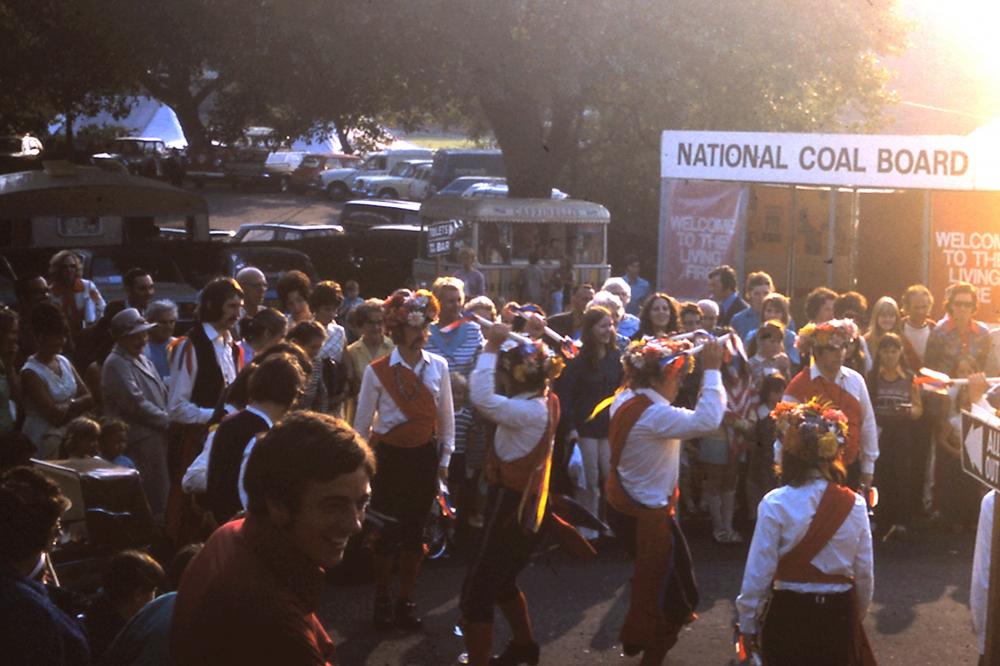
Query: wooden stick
{"points": [[945, 379]]}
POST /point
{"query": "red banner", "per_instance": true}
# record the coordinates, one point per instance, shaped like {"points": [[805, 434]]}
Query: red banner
{"points": [[965, 246], [702, 225]]}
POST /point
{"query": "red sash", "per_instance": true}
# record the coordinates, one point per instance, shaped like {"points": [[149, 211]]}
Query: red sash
{"points": [[413, 398], [530, 473], [645, 624], [796, 565], [803, 387]]}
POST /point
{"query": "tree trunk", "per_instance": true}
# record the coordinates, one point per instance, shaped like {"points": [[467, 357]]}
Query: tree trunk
{"points": [[190, 120], [343, 135]]}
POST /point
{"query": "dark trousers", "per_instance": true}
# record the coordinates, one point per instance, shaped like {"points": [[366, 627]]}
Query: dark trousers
{"points": [[404, 488], [802, 628], [895, 472], [503, 551]]}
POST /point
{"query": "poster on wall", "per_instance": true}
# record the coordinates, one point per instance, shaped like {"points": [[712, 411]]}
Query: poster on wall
{"points": [[965, 246], [702, 225]]}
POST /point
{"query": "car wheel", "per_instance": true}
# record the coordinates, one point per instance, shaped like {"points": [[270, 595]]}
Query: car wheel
{"points": [[388, 194], [337, 191]]}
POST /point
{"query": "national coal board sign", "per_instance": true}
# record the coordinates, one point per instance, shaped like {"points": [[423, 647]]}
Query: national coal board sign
{"points": [[981, 447], [846, 160]]}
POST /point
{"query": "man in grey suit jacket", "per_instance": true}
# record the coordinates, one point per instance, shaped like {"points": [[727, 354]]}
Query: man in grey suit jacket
{"points": [[134, 393]]}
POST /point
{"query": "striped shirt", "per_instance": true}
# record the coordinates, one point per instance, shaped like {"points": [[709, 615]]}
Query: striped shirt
{"points": [[459, 347]]}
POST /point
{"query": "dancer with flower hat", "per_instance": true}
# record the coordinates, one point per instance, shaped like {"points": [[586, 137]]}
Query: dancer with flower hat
{"points": [[811, 552], [517, 469], [645, 437], [841, 387], [405, 409]]}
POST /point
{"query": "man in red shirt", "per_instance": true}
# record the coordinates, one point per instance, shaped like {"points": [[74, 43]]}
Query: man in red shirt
{"points": [[250, 596]]}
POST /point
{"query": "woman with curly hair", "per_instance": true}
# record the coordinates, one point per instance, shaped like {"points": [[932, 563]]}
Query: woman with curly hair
{"points": [[811, 552], [517, 470], [405, 410], [366, 317], [645, 439], [658, 316]]}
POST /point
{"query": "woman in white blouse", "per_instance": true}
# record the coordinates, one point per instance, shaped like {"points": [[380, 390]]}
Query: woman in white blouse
{"points": [[810, 561]]}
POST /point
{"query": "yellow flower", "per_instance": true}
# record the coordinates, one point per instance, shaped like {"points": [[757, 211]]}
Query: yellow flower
{"points": [[827, 446]]}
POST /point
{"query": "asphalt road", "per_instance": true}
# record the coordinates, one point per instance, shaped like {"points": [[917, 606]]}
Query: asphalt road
{"points": [[919, 615], [230, 207]]}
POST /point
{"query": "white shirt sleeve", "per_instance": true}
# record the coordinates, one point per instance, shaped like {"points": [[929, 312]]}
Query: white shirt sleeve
{"points": [[979, 592], [762, 562], [869, 432], [196, 477], [368, 395], [446, 418], [679, 423], [179, 404], [864, 572], [498, 408], [243, 470]]}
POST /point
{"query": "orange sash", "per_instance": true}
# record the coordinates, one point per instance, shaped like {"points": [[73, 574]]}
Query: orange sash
{"points": [[796, 565], [803, 387], [413, 398], [530, 473]]}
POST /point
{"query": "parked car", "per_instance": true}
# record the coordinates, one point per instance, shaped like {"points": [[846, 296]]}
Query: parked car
{"points": [[179, 234], [143, 156], [399, 182], [281, 163], [339, 183], [272, 261], [497, 188], [385, 256], [361, 214], [307, 175], [451, 164], [268, 232]]}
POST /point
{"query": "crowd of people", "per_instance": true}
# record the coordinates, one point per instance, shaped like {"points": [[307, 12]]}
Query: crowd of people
{"points": [[265, 432]]}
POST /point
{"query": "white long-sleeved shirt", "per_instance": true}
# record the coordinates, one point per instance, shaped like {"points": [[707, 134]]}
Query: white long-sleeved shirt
{"points": [[520, 420], [179, 404], [980, 588], [650, 461], [196, 477], [783, 517], [377, 411], [853, 383]]}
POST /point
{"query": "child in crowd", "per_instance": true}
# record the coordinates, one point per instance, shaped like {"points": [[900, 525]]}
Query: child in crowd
{"points": [[767, 352], [81, 438], [760, 464], [470, 455], [113, 439]]}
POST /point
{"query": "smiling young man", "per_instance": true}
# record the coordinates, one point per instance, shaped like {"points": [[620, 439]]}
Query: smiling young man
{"points": [[250, 596]]}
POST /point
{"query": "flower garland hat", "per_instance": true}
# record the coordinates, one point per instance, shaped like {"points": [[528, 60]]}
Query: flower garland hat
{"points": [[812, 431], [836, 333], [525, 361], [407, 308]]}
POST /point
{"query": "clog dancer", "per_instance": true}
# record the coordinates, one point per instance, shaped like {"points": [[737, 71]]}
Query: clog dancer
{"points": [[405, 409], [517, 469], [645, 436], [811, 553]]}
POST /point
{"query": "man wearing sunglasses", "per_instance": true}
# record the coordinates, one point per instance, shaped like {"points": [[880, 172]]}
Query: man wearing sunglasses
{"points": [[958, 334]]}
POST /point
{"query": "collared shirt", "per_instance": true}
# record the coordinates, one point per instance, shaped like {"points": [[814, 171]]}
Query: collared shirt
{"points": [[732, 301], [459, 347], [159, 354], [628, 325], [651, 458], [979, 592], [378, 412], [640, 288], [179, 404], [744, 322], [783, 517], [196, 477], [520, 420], [853, 383], [947, 343]]}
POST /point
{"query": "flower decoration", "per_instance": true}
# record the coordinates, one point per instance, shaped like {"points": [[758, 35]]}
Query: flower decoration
{"points": [[836, 333], [662, 355], [406, 308], [814, 431], [526, 361]]}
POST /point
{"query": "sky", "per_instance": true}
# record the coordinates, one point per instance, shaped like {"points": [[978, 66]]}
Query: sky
{"points": [[953, 64]]}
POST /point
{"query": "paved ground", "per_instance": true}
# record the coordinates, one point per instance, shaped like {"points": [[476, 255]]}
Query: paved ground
{"points": [[229, 207], [920, 614]]}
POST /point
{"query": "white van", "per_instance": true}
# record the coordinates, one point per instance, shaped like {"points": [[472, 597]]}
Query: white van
{"points": [[339, 183]]}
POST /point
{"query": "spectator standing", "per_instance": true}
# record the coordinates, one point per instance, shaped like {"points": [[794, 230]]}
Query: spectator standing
{"points": [[690, 317], [204, 364], [161, 337], [253, 282], [776, 306], [854, 306], [570, 323], [471, 277], [709, 314], [916, 327], [113, 441], [588, 379], [139, 291], [294, 290], [612, 304], [723, 284], [958, 333], [53, 392], [767, 355], [30, 292], [135, 393], [461, 345], [79, 299], [638, 286], [32, 629], [532, 281], [659, 316], [10, 385], [251, 595], [328, 366], [885, 318], [352, 299], [628, 324], [373, 343], [262, 331], [759, 285]]}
